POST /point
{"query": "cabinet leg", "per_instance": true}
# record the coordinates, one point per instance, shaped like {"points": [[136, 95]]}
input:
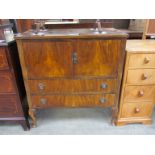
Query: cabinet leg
{"points": [[25, 124], [32, 114]]}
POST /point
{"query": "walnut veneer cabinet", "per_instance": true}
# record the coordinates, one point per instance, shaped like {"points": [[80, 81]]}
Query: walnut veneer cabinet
{"points": [[12, 90], [72, 68], [138, 89]]}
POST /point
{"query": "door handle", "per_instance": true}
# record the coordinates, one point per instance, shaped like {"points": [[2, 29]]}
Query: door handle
{"points": [[74, 58]]}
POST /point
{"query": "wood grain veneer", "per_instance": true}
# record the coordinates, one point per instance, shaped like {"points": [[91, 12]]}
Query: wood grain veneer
{"points": [[66, 70]]}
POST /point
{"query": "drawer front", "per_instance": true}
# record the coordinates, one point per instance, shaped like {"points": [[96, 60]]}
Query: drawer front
{"points": [[139, 93], [142, 61], [73, 100], [3, 59], [6, 83], [141, 109], [9, 106], [141, 76], [69, 86]]}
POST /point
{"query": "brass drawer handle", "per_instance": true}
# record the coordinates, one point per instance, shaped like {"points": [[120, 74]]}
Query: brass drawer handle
{"points": [[74, 58], [140, 93], [102, 100], [41, 86], [43, 101], [144, 77], [137, 110], [103, 86], [146, 60]]}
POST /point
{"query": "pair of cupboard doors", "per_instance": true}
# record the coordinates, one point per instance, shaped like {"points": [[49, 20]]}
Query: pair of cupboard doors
{"points": [[72, 57]]}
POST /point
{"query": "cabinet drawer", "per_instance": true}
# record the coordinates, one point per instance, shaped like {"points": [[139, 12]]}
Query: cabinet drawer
{"points": [[139, 93], [9, 106], [142, 61], [141, 109], [73, 100], [3, 59], [141, 76], [72, 85], [6, 83]]}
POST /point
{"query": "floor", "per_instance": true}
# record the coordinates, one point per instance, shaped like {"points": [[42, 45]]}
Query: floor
{"points": [[77, 121]]}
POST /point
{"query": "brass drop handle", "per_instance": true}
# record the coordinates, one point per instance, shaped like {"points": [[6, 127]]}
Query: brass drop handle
{"points": [[140, 93], [144, 77], [74, 58], [103, 86], [102, 100], [41, 86], [146, 60], [43, 101], [137, 110]]}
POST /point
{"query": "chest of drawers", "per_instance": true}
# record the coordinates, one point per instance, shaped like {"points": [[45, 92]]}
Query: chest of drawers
{"points": [[12, 90], [72, 71], [138, 88]]}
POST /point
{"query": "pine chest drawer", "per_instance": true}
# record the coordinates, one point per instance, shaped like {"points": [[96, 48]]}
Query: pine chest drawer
{"points": [[141, 76], [142, 61], [139, 109]]}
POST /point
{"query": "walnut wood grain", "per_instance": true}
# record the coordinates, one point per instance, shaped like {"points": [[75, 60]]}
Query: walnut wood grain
{"points": [[72, 86], [69, 69], [92, 61], [46, 101], [50, 58]]}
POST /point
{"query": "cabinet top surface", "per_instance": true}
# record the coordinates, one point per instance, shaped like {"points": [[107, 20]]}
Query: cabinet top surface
{"points": [[72, 33], [144, 46]]}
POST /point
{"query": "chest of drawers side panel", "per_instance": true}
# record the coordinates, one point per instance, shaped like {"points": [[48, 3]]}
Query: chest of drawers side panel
{"points": [[24, 70], [123, 84], [120, 69]]}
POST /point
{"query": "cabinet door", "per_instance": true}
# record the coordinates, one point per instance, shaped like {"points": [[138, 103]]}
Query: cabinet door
{"points": [[47, 59], [97, 57]]}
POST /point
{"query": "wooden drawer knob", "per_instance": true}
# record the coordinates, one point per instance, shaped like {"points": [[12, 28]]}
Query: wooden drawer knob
{"points": [[43, 101], [144, 77], [137, 110], [146, 60], [41, 86], [140, 93], [103, 86]]}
